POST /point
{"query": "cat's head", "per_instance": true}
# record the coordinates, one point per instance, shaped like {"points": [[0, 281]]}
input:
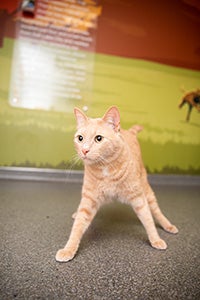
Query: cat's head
{"points": [[98, 140]]}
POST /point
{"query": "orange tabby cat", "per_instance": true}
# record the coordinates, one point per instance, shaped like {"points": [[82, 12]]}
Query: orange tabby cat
{"points": [[113, 169]]}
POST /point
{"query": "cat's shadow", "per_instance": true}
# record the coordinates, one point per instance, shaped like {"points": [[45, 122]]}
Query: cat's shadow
{"points": [[116, 212], [112, 221]]}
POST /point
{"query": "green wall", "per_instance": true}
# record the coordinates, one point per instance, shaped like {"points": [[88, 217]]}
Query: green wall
{"points": [[146, 93]]}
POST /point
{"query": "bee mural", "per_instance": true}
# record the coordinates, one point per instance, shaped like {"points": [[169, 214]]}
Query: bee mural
{"points": [[192, 99]]}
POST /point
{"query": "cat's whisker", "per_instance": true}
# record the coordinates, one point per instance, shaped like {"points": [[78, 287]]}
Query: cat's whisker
{"points": [[75, 161]]}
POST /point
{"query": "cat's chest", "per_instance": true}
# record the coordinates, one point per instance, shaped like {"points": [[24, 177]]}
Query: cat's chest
{"points": [[105, 172], [109, 184]]}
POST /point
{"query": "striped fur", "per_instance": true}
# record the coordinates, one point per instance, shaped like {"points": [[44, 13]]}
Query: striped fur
{"points": [[113, 169]]}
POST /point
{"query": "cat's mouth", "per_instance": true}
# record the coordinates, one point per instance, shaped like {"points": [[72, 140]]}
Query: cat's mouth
{"points": [[85, 157]]}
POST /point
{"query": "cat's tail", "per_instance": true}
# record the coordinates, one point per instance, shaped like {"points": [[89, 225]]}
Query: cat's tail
{"points": [[135, 129]]}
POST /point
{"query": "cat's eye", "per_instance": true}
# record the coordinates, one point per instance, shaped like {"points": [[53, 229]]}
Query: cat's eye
{"points": [[80, 138], [98, 138]]}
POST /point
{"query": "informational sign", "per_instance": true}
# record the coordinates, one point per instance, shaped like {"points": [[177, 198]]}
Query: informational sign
{"points": [[53, 54]]}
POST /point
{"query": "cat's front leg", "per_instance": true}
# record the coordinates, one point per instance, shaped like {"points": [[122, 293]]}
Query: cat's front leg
{"points": [[84, 215], [143, 212]]}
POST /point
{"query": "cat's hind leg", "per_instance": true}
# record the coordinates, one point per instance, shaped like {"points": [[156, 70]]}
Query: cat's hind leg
{"points": [[143, 212], [84, 215], [157, 213]]}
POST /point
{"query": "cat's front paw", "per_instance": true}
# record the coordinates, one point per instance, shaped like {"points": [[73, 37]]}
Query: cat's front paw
{"points": [[64, 255], [159, 244]]}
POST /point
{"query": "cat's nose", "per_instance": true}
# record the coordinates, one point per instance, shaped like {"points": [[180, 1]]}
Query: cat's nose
{"points": [[85, 151]]}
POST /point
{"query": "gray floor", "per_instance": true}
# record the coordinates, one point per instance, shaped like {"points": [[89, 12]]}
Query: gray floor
{"points": [[115, 260]]}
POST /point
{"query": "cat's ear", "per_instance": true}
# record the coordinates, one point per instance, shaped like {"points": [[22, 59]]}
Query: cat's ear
{"points": [[81, 118], [112, 118]]}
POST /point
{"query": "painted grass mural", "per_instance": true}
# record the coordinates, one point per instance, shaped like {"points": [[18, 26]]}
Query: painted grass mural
{"points": [[146, 93]]}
